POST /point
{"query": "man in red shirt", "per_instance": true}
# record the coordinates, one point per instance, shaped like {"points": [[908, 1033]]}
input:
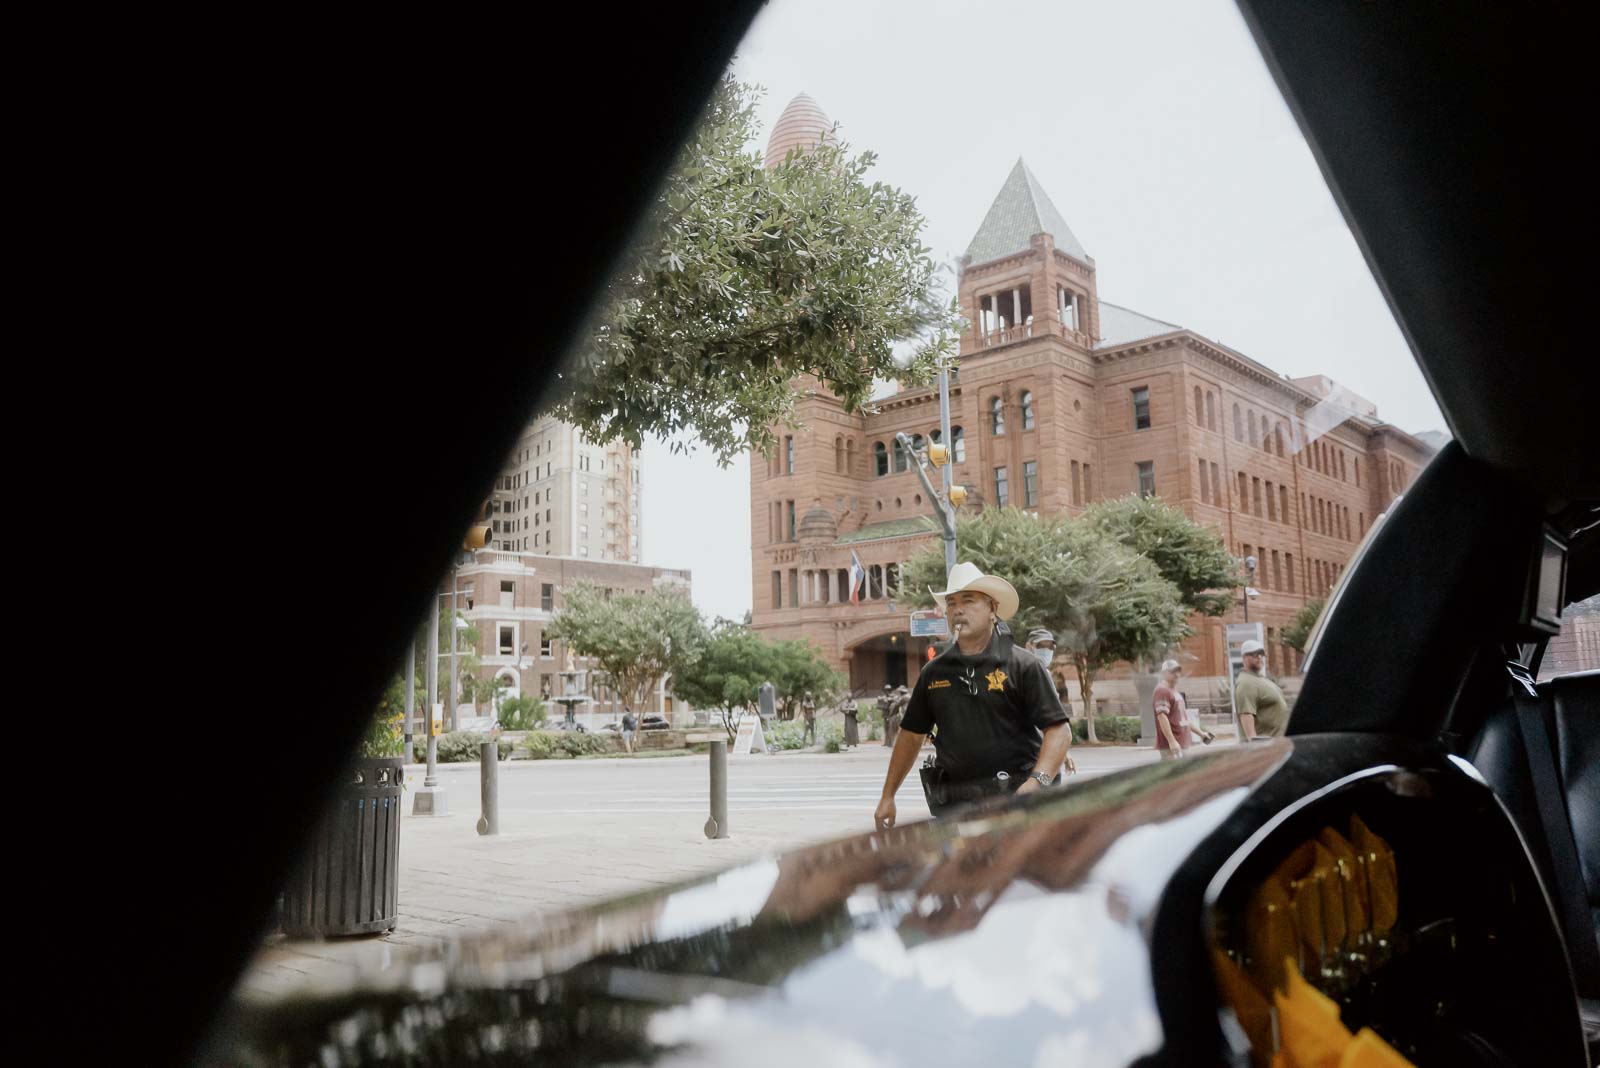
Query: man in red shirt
{"points": [[1172, 718]]}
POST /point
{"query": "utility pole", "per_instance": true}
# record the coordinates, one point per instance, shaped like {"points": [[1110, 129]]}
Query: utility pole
{"points": [[450, 698], [429, 800], [949, 496], [946, 469], [411, 695]]}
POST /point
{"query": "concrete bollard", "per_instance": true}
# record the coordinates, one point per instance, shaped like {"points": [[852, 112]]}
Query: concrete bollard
{"points": [[489, 787], [717, 825]]}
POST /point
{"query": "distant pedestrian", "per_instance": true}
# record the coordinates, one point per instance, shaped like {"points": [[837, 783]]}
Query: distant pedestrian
{"points": [[852, 729], [1172, 720], [808, 709], [630, 730], [1263, 713], [886, 713]]}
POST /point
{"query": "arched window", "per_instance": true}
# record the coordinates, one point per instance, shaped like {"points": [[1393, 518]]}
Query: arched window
{"points": [[1252, 428], [1199, 408], [1238, 424], [1211, 411], [899, 456], [880, 459], [1027, 410], [997, 418], [1277, 437], [838, 455], [875, 581], [850, 457], [958, 445]]}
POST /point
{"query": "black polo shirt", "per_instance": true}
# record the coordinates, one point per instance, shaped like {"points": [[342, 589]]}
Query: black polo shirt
{"points": [[998, 728]]}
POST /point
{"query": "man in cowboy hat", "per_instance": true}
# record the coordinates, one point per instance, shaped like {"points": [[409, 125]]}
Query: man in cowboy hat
{"points": [[1001, 727]]}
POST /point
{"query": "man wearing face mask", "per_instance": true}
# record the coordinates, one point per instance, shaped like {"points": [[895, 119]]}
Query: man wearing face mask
{"points": [[1001, 728], [1042, 644]]}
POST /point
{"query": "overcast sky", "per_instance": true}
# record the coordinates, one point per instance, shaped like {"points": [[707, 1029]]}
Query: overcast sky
{"points": [[1157, 132]]}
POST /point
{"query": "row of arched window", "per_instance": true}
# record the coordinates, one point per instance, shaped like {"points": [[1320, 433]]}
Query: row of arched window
{"points": [[997, 414], [892, 458], [832, 585], [1330, 460]]}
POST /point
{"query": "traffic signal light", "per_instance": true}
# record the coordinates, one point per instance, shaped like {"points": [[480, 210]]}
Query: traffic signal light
{"points": [[477, 536], [958, 496], [938, 455]]}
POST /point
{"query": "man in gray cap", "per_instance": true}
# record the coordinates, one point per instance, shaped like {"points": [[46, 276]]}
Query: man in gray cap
{"points": [[1042, 644], [1262, 710]]}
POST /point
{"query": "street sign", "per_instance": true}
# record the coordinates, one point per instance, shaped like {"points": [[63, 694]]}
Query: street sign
{"points": [[929, 624]]}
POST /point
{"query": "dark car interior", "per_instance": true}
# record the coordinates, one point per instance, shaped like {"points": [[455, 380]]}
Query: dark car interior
{"points": [[1442, 132]]}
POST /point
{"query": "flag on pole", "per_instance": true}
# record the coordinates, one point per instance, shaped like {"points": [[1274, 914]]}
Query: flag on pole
{"points": [[858, 577]]}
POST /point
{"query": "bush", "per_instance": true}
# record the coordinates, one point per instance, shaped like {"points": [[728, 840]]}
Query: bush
{"points": [[792, 735], [787, 735], [1108, 729], [564, 745], [524, 713], [457, 747]]}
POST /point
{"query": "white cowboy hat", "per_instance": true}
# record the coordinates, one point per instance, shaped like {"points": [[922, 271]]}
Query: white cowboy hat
{"points": [[968, 577]]}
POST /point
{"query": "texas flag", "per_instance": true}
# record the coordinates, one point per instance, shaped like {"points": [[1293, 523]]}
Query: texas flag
{"points": [[858, 577]]}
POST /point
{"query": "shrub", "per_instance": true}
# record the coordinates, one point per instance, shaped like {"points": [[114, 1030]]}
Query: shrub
{"points": [[874, 733], [456, 747], [564, 745], [523, 713], [787, 735], [1108, 729], [384, 737]]}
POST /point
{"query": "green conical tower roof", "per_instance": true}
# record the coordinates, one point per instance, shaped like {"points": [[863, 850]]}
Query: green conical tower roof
{"points": [[1021, 210]]}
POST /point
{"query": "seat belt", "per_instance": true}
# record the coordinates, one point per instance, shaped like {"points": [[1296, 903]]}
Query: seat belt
{"points": [[1572, 904]]}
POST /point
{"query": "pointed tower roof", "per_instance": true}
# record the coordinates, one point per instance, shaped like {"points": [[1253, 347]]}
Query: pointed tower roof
{"points": [[802, 125], [1021, 210]]}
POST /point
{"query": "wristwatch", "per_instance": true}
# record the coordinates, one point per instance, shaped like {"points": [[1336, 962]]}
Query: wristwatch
{"points": [[1044, 780]]}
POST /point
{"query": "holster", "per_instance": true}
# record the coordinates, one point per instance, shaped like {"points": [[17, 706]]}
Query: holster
{"points": [[942, 792]]}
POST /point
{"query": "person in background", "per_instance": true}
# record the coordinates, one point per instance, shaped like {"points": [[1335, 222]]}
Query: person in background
{"points": [[1263, 712], [808, 710], [1042, 644], [630, 730], [1172, 720], [852, 727]]}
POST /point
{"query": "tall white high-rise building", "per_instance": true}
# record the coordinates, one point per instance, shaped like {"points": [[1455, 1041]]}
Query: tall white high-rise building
{"points": [[558, 495]]}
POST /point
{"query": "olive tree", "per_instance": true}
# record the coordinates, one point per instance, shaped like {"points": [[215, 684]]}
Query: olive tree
{"points": [[746, 278]]}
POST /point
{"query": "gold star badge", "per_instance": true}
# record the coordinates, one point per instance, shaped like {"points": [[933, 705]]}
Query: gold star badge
{"points": [[997, 679]]}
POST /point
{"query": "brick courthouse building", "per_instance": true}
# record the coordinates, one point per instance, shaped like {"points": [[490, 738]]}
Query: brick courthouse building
{"points": [[1062, 399]]}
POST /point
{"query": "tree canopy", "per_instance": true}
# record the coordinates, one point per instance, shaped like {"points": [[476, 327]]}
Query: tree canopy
{"points": [[1298, 631], [727, 673], [746, 278], [1104, 601], [1191, 556], [635, 639]]}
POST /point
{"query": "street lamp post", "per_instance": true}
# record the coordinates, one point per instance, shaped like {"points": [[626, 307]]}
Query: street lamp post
{"points": [[429, 800], [1249, 583]]}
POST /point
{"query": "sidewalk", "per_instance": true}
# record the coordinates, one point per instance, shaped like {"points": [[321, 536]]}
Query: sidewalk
{"points": [[452, 881]]}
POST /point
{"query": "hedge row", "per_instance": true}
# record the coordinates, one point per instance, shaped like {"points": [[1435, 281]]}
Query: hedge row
{"points": [[562, 745], [1107, 729], [457, 747]]}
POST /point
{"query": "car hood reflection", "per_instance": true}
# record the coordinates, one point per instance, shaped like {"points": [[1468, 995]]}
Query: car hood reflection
{"points": [[1016, 932]]}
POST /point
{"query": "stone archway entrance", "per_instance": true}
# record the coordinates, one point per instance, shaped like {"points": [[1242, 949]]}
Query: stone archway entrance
{"points": [[891, 659]]}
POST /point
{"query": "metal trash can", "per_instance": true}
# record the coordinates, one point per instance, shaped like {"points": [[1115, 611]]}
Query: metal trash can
{"points": [[346, 883]]}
